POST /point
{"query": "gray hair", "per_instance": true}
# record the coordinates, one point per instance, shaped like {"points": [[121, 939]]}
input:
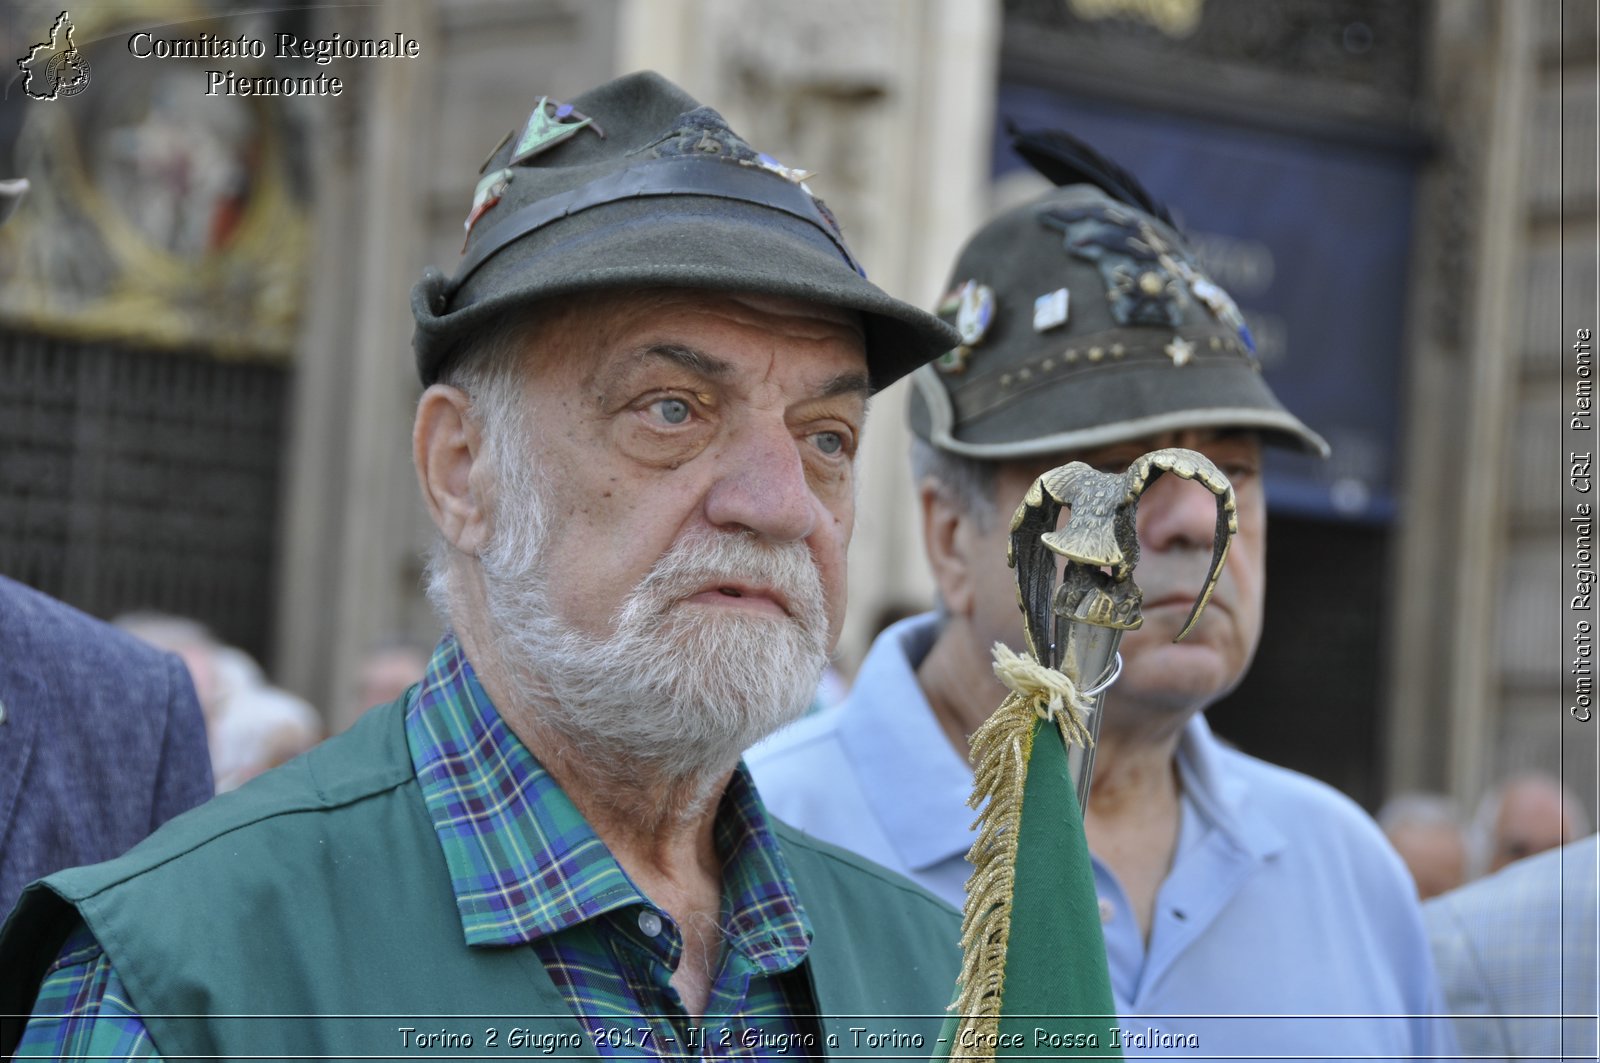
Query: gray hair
{"points": [[1481, 832], [167, 632], [1418, 810], [489, 370], [963, 482]]}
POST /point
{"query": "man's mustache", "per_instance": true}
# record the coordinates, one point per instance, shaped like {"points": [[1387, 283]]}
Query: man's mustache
{"points": [[704, 562]]}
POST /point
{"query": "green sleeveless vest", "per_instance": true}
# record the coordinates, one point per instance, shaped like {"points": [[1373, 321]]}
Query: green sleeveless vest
{"points": [[311, 914]]}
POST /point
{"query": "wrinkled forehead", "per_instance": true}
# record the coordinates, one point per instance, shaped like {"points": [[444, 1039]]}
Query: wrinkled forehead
{"points": [[784, 306], [586, 332]]}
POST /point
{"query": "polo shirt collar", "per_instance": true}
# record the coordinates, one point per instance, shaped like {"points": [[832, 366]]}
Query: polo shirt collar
{"points": [[1222, 798], [914, 780]]}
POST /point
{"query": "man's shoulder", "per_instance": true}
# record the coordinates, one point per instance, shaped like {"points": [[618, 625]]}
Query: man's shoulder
{"points": [[798, 746], [1295, 799], [820, 864], [41, 633], [267, 816], [1311, 824], [880, 944], [1519, 896], [103, 739], [1521, 941], [263, 853]]}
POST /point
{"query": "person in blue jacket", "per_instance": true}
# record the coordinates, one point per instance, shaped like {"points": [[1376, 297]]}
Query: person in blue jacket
{"points": [[101, 739]]}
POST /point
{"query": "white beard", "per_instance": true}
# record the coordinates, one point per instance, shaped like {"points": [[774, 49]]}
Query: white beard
{"points": [[678, 691]]}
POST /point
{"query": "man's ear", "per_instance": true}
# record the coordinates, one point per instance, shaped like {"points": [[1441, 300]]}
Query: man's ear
{"points": [[445, 446], [946, 533]]}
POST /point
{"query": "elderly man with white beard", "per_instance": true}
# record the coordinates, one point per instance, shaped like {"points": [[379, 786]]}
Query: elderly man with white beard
{"points": [[645, 388]]}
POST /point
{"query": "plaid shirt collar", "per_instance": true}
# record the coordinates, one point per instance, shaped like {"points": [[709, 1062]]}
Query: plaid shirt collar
{"points": [[525, 864]]}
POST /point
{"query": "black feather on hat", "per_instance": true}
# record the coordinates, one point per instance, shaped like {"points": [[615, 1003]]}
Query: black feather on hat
{"points": [[1066, 160]]}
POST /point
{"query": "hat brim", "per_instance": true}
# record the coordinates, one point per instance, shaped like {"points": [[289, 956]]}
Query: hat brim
{"points": [[1221, 396], [692, 242]]}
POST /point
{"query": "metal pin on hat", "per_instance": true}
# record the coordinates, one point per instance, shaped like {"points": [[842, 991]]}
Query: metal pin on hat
{"points": [[546, 128], [485, 197], [1050, 310]]}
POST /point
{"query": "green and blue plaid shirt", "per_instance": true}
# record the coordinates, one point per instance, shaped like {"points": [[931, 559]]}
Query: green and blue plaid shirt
{"points": [[528, 871]]}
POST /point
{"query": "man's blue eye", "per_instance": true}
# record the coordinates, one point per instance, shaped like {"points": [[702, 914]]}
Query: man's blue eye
{"points": [[829, 442], [673, 411]]}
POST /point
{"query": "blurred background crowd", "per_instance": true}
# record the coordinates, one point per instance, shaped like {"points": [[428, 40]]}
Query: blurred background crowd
{"points": [[206, 390]]}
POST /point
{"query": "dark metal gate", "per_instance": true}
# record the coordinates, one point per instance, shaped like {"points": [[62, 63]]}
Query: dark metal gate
{"points": [[138, 479]]}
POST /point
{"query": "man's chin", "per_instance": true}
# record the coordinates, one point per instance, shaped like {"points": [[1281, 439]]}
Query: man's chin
{"points": [[746, 658], [1182, 674]]}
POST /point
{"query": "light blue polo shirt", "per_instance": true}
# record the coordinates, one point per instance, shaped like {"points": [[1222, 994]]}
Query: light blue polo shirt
{"points": [[1287, 926]]}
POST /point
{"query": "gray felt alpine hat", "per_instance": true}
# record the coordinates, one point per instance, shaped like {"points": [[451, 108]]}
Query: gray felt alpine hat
{"points": [[1085, 322], [636, 185]]}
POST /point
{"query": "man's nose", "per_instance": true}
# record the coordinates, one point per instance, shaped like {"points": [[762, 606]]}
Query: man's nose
{"points": [[1177, 514], [763, 487]]}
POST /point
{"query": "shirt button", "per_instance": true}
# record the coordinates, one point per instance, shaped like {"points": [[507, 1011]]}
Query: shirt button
{"points": [[1107, 911], [649, 923]]}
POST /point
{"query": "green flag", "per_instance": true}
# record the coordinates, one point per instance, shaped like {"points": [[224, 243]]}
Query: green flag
{"points": [[1034, 981]]}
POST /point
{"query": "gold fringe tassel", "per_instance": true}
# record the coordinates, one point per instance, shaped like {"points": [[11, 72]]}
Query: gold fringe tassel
{"points": [[1001, 749]]}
